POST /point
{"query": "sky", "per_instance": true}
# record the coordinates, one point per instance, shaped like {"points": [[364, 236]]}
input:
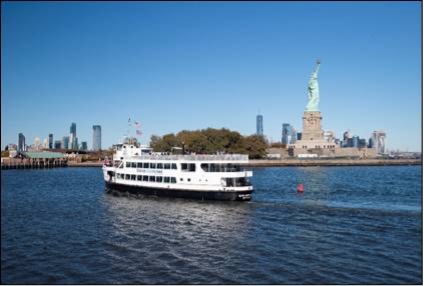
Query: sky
{"points": [[193, 65]]}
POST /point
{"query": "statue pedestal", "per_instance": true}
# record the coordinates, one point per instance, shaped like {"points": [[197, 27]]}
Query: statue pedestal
{"points": [[312, 126]]}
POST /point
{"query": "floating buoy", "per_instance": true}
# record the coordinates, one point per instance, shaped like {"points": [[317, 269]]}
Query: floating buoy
{"points": [[300, 188]]}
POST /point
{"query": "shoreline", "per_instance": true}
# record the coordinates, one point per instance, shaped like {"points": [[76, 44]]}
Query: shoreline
{"points": [[302, 163]]}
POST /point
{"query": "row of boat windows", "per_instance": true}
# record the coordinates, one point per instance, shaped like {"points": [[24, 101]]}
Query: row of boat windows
{"points": [[185, 167], [157, 179], [145, 165]]}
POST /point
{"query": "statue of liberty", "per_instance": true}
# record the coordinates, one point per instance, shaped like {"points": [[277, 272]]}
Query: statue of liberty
{"points": [[313, 90]]}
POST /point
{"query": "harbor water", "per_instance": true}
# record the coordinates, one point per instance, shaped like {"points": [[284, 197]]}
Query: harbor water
{"points": [[351, 225]]}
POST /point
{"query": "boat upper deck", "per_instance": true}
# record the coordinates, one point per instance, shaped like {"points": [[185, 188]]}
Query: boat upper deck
{"points": [[224, 157]]}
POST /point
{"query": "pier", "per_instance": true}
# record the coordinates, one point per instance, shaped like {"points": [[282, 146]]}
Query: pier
{"points": [[35, 160]]}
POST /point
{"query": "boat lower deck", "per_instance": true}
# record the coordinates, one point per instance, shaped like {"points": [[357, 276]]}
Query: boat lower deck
{"points": [[190, 194]]}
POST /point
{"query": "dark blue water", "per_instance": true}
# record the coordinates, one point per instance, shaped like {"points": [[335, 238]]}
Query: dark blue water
{"points": [[352, 225]]}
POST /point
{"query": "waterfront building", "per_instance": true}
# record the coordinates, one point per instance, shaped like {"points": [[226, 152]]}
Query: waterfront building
{"points": [[84, 146], [50, 141], [57, 144], [21, 142], [97, 137], [65, 142], [379, 141], [259, 125]]}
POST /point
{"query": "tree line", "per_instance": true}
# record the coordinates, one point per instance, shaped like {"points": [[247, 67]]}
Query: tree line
{"points": [[211, 141]]}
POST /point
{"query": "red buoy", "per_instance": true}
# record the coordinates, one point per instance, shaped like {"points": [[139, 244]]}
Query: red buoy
{"points": [[300, 188]]}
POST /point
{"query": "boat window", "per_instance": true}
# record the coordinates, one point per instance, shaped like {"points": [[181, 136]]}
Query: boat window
{"points": [[159, 179], [139, 178], [173, 180], [181, 179], [152, 165], [152, 179], [220, 167], [241, 182], [134, 165], [174, 166], [189, 179], [159, 166], [146, 165], [145, 178], [139, 165], [188, 167], [128, 165], [166, 179], [133, 177], [167, 166], [127, 176]]}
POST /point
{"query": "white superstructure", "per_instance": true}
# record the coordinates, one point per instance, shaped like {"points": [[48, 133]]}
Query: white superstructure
{"points": [[143, 170]]}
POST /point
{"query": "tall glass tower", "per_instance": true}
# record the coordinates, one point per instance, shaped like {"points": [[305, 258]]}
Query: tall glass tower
{"points": [[50, 141], [97, 137], [21, 142], [259, 125], [73, 141]]}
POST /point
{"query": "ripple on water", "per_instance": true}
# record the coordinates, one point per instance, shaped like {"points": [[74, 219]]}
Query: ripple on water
{"points": [[349, 227]]}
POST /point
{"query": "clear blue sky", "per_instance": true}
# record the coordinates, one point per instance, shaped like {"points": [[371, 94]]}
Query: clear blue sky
{"points": [[175, 66]]}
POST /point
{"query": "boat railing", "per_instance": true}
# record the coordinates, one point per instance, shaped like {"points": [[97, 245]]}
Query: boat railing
{"points": [[223, 157]]}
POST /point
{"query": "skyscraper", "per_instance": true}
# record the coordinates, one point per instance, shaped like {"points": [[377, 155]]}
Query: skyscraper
{"points": [[379, 141], [21, 142], [97, 137], [65, 142], [73, 136], [57, 144], [50, 141], [259, 125], [84, 146], [286, 133], [73, 129]]}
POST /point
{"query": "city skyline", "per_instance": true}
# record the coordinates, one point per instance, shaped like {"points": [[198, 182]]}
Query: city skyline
{"points": [[256, 56]]}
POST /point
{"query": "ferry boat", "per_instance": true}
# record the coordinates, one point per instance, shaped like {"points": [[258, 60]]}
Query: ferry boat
{"points": [[139, 170]]}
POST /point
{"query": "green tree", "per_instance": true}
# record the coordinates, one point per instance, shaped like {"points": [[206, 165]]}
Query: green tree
{"points": [[255, 146]]}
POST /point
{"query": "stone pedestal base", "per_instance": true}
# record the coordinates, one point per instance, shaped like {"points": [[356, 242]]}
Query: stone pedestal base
{"points": [[312, 126]]}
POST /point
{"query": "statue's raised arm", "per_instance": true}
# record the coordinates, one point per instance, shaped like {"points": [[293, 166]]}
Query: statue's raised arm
{"points": [[317, 68], [313, 90]]}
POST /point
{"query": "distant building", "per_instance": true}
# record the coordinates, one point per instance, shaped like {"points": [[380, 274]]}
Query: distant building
{"points": [[73, 140], [57, 144], [84, 146], [21, 142], [11, 147], [329, 136], [75, 144], [379, 141], [355, 141], [259, 125], [46, 143], [299, 135], [73, 129], [65, 142], [97, 137], [362, 143], [289, 134], [50, 141]]}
